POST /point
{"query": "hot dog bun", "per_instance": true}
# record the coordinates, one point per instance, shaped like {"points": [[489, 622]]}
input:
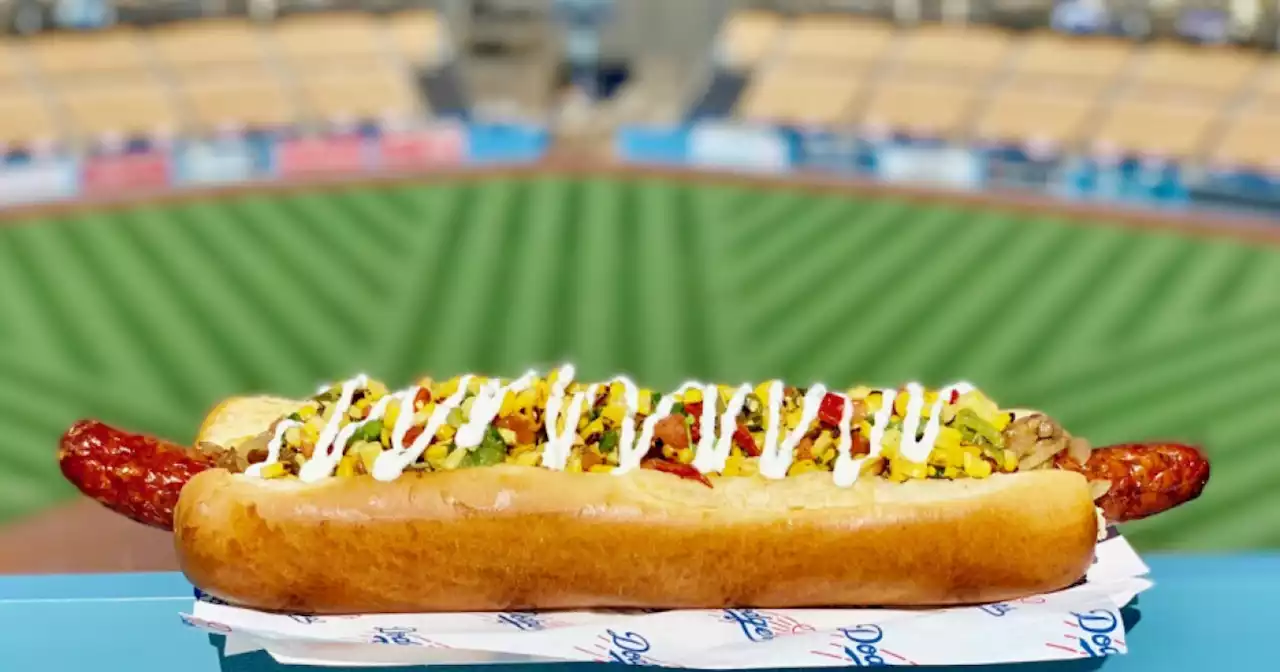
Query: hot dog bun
{"points": [[509, 537]]}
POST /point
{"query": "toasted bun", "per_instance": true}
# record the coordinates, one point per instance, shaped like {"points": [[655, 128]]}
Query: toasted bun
{"points": [[509, 537]]}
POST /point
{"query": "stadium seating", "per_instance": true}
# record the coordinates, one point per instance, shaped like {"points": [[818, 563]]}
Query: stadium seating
{"points": [[207, 43], [80, 56], [25, 120], [354, 93], [122, 108], [243, 98], [1041, 89]]}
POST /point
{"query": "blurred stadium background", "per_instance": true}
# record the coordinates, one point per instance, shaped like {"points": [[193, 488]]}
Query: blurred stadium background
{"points": [[495, 185]]}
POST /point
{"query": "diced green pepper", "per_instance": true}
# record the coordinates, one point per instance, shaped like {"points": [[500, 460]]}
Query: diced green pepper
{"points": [[493, 450], [609, 442], [295, 417], [984, 430], [677, 408], [370, 431]]}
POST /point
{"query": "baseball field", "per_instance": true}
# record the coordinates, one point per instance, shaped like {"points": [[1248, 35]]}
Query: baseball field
{"points": [[145, 315]]}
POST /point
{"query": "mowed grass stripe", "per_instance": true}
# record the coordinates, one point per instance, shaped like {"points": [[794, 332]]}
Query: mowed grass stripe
{"points": [[24, 321], [783, 250], [711, 312], [981, 340], [919, 294], [1124, 292], [665, 327], [932, 337], [413, 315], [1117, 365], [350, 235], [70, 387], [1098, 400], [689, 245], [827, 243], [1253, 524], [253, 357], [173, 359], [560, 338], [764, 213], [250, 271], [1244, 382], [310, 270], [598, 328], [71, 297], [529, 311], [1066, 292], [827, 313], [494, 348], [1208, 264], [472, 266], [1162, 290]]}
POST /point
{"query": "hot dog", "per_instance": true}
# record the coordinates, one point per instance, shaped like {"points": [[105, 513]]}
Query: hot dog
{"points": [[474, 494]]}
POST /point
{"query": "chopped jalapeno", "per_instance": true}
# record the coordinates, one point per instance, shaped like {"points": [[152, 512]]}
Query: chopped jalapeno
{"points": [[609, 442], [982, 429], [371, 431], [295, 417], [491, 451], [677, 408]]}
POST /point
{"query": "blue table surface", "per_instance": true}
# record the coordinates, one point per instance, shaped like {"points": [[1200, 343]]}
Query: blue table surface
{"points": [[1205, 610]]}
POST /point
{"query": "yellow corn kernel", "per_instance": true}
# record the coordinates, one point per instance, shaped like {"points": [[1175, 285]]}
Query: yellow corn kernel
{"points": [[733, 465], [377, 389], [725, 393], [594, 427], [900, 404], [802, 467], [392, 415], [950, 472], [601, 468], [368, 452], [307, 412], [645, 402], [613, 414], [825, 441], [527, 459], [476, 382], [574, 466], [385, 436], [346, 466], [310, 433], [508, 405], [976, 467], [454, 460], [750, 466], [1001, 421], [858, 393], [617, 392], [685, 455], [762, 391], [792, 419], [446, 390], [293, 436], [447, 433], [692, 395], [949, 437], [508, 436], [437, 451], [274, 470], [668, 452]]}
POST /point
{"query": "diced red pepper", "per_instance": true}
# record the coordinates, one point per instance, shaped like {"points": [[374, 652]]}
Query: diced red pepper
{"points": [[743, 438], [831, 410], [694, 410], [955, 396], [422, 398], [676, 469], [412, 435]]}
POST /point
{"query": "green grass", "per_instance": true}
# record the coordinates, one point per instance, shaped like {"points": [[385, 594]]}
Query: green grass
{"points": [[147, 316]]}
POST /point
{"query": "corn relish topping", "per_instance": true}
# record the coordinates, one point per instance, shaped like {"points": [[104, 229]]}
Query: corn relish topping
{"points": [[700, 431]]}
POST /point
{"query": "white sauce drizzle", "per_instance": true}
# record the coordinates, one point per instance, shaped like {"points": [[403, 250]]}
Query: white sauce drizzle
{"points": [[713, 459], [775, 459], [486, 406], [710, 455], [391, 463]]}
